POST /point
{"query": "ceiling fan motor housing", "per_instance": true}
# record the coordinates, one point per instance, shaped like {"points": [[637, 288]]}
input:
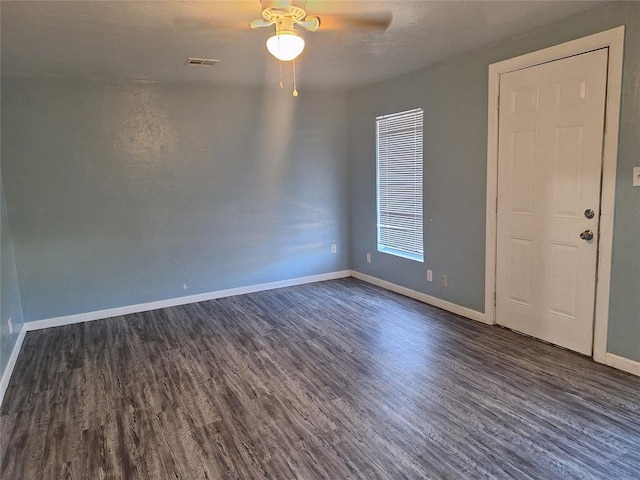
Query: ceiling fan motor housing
{"points": [[286, 14], [273, 14], [283, 4]]}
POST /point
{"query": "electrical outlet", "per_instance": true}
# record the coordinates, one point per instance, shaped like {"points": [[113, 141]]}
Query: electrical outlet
{"points": [[429, 275], [636, 176], [445, 281], [334, 248], [10, 324], [368, 257], [185, 286]]}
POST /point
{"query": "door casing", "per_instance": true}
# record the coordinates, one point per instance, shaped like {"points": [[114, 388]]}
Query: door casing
{"points": [[612, 39]]}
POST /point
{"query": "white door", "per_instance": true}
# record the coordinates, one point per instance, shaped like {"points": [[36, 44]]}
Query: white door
{"points": [[551, 120]]}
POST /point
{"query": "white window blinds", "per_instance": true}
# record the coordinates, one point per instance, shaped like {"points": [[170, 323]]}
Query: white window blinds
{"points": [[399, 183]]}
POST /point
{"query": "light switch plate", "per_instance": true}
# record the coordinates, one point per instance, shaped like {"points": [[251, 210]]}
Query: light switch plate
{"points": [[636, 176]]}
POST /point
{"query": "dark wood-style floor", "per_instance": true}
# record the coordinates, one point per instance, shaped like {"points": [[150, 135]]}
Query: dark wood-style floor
{"points": [[334, 380]]}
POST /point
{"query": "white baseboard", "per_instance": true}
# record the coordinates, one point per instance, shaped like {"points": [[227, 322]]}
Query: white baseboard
{"points": [[622, 363], [174, 302], [423, 297], [8, 370], [610, 359]]}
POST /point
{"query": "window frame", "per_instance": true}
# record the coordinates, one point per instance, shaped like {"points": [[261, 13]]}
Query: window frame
{"points": [[413, 248]]}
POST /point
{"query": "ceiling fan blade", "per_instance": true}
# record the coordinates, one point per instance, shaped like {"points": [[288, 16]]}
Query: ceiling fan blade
{"points": [[310, 23], [375, 21], [259, 23]]}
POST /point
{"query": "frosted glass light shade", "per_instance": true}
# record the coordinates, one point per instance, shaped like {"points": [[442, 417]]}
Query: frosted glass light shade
{"points": [[285, 46]]}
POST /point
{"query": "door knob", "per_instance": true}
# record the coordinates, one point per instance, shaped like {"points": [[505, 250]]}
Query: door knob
{"points": [[587, 235]]}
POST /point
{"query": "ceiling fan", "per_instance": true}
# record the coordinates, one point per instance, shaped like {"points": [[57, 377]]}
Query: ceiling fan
{"points": [[286, 45]]}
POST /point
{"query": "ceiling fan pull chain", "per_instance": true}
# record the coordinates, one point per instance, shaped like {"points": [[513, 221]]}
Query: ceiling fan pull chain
{"points": [[295, 90], [280, 66]]}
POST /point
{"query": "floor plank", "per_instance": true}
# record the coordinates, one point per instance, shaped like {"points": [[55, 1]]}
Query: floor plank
{"points": [[333, 380]]}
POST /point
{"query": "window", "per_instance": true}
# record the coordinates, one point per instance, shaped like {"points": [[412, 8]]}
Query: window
{"points": [[399, 184]]}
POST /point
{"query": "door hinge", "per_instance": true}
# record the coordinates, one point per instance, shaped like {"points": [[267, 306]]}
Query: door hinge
{"points": [[498, 103], [495, 297]]}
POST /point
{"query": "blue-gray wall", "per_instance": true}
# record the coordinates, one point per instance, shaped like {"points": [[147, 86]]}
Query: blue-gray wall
{"points": [[10, 305], [125, 193], [454, 98]]}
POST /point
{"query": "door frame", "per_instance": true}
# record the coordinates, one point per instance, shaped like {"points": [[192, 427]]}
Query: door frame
{"points": [[612, 39]]}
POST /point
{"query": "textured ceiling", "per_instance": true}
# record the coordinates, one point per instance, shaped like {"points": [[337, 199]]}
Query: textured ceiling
{"points": [[151, 40]]}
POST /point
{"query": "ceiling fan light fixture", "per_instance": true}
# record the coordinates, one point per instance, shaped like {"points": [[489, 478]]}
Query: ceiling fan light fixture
{"points": [[285, 45]]}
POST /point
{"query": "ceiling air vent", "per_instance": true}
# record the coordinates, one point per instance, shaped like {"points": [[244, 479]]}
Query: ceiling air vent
{"points": [[201, 62]]}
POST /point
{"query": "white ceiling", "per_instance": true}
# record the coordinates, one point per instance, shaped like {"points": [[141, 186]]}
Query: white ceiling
{"points": [[151, 40]]}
